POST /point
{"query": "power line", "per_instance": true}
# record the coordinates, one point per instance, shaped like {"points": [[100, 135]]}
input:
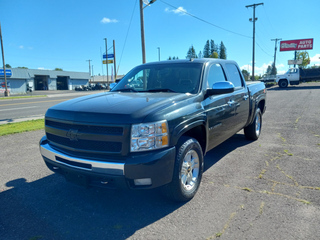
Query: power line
{"points": [[125, 40], [205, 21]]}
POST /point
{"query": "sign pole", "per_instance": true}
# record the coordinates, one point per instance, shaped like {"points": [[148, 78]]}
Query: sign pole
{"points": [[107, 63], [6, 93]]}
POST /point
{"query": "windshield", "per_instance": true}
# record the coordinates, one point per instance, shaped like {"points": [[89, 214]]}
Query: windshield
{"points": [[170, 77]]}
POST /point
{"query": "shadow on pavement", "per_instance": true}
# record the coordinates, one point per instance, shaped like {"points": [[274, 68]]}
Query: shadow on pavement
{"points": [[51, 208]]}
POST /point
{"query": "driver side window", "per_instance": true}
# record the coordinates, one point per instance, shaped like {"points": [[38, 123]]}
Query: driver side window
{"points": [[215, 74]]}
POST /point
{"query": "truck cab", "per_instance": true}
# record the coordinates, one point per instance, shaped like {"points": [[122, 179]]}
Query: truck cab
{"points": [[292, 77]]}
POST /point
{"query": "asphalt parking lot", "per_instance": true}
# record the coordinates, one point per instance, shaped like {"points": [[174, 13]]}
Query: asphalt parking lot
{"points": [[267, 189]]}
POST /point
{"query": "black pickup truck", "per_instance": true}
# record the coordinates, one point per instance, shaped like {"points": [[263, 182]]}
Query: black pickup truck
{"points": [[155, 126]]}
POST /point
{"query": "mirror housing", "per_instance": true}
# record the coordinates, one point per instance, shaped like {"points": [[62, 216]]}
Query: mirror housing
{"points": [[220, 88]]}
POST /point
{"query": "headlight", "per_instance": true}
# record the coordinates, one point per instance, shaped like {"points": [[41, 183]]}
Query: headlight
{"points": [[149, 136]]}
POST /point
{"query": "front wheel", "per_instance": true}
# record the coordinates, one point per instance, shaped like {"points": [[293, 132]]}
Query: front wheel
{"points": [[187, 171], [283, 83], [253, 131]]}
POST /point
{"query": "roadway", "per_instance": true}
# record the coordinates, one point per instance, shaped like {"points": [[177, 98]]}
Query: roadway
{"points": [[21, 109]]}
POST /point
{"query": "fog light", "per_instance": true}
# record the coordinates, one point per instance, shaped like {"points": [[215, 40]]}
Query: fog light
{"points": [[143, 181]]}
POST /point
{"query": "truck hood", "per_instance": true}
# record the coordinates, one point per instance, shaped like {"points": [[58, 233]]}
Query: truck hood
{"points": [[114, 107]]}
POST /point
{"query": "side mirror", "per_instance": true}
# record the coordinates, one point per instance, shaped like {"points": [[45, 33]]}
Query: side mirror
{"points": [[220, 88]]}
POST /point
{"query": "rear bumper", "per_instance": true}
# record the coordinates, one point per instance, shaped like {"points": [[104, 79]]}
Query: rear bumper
{"points": [[156, 165]]}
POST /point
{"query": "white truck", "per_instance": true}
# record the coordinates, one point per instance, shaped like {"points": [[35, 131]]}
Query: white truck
{"points": [[296, 75]]}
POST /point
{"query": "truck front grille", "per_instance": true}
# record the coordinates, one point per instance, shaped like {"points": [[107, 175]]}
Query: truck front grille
{"points": [[86, 139]]}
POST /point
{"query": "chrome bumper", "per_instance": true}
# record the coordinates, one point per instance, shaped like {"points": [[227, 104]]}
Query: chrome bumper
{"points": [[90, 165]]}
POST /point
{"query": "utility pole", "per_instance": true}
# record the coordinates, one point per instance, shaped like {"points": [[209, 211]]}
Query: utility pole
{"points": [[107, 62], [89, 68], [6, 92], [142, 33], [143, 45], [275, 52], [254, 32], [114, 60], [159, 53]]}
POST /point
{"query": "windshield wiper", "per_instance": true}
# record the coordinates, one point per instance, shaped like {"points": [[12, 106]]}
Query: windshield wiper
{"points": [[160, 90], [125, 90]]}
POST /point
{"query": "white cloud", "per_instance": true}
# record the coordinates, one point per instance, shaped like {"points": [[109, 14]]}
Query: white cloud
{"points": [[315, 59], [21, 47], [260, 70], [108, 20], [180, 10]]}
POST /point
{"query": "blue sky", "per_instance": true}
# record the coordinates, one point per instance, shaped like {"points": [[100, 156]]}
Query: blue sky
{"points": [[64, 34]]}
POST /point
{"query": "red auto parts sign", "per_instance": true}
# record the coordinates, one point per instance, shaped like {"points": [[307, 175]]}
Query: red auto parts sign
{"points": [[296, 45]]}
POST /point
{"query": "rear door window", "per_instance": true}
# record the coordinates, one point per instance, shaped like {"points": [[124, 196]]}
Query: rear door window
{"points": [[234, 75]]}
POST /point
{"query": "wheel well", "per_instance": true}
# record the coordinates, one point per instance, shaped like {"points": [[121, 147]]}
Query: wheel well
{"points": [[199, 133], [261, 105]]}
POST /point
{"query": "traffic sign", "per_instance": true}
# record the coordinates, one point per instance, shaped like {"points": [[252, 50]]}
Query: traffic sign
{"points": [[8, 73], [105, 61], [111, 55]]}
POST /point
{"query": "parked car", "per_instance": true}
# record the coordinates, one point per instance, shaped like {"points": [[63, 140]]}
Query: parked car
{"points": [[155, 135]]}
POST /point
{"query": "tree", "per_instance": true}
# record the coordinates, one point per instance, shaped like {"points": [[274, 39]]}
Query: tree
{"points": [[206, 50], [169, 58], [58, 69], [304, 56], [274, 70], [269, 70], [191, 53], [222, 51], [200, 55], [23, 67], [214, 55], [8, 66], [213, 48], [245, 74]]}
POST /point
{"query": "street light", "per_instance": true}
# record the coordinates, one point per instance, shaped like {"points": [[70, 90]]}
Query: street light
{"points": [[142, 27]]}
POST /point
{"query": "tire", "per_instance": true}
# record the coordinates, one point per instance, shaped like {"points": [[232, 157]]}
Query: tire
{"points": [[253, 131], [283, 83], [188, 171]]}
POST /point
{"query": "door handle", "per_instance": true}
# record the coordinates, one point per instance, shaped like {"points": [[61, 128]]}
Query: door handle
{"points": [[230, 103]]}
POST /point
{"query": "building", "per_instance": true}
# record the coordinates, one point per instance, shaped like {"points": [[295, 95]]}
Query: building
{"points": [[22, 80]]}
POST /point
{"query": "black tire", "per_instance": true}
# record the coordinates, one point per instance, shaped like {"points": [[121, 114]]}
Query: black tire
{"points": [[253, 131], [283, 83], [187, 171]]}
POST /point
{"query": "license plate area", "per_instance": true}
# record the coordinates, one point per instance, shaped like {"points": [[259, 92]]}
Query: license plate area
{"points": [[76, 178]]}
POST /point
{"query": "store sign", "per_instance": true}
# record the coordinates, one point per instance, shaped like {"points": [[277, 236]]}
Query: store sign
{"points": [[296, 45], [3, 86]]}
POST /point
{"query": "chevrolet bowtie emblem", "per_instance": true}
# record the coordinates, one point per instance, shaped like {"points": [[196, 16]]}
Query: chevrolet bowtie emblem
{"points": [[73, 135]]}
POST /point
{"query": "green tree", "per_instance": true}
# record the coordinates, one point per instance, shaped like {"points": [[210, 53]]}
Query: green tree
{"points": [[169, 58], [191, 53], [274, 70], [213, 48], [222, 51], [8, 66], [200, 55], [214, 55], [304, 56], [206, 50], [23, 67], [269, 70], [58, 69], [245, 74]]}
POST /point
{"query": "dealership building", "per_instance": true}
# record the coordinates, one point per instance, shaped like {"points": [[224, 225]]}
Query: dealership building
{"points": [[20, 80]]}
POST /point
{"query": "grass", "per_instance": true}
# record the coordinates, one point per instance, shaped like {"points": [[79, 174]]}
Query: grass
{"points": [[17, 97], [20, 127]]}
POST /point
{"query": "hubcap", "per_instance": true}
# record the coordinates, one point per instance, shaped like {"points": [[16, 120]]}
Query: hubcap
{"points": [[258, 124], [190, 170]]}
